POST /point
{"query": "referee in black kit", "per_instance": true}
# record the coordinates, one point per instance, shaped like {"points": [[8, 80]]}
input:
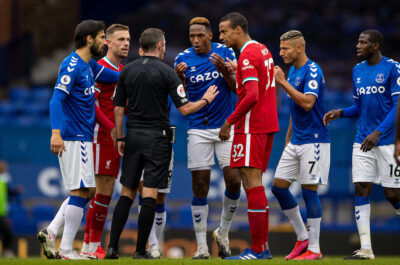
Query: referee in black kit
{"points": [[145, 84]]}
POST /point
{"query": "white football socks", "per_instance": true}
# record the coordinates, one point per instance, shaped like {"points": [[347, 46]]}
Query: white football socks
{"points": [[58, 220], [297, 223], [314, 226], [228, 212], [363, 213], [199, 215], [157, 229], [73, 218]]}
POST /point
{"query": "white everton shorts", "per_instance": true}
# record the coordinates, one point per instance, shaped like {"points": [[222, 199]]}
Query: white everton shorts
{"points": [[77, 166], [307, 163], [171, 170], [377, 165], [202, 143]]}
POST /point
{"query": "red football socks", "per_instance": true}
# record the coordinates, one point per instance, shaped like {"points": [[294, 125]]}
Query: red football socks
{"points": [[257, 213], [88, 220], [98, 217]]}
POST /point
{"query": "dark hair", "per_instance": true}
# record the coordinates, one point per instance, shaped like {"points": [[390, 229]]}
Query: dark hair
{"points": [[149, 39], [236, 19], [374, 36], [201, 21], [85, 28]]}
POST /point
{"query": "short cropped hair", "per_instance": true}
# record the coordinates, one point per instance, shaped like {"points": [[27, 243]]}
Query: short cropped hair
{"points": [[374, 36], [86, 28], [149, 39], [201, 21], [115, 27], [291, 35], [236, 19]]}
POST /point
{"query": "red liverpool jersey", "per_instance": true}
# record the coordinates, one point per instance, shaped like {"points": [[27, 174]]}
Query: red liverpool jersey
{"points": [[104, 100], [256, 64]]}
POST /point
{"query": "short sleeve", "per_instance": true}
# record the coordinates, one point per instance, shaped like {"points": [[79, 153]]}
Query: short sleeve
{"points": [[395, 80], [313, 80], [248, 66], [66, 76], [120, 95], [176, 89]]}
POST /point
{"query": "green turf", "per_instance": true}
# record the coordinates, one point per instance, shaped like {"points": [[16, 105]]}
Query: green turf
{"points": [[276, 260]]}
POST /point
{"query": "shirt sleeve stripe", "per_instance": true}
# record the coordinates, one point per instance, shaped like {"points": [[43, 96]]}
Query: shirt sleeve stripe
{"points": [[312, 93], [354, 96], [395, 93], [97, 76], [97, 89], [249, 79], [64, 90]]}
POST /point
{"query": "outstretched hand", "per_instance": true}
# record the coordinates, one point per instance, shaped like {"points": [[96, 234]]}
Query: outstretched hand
{"points": [[330, 116], [211, 93]]}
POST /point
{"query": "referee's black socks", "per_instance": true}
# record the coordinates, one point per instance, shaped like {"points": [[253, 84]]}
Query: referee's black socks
{"points": [[120, 216], [145, 222]]}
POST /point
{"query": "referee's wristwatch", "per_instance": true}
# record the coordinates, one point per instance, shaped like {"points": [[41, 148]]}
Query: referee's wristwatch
{"points": [[122, 139]]}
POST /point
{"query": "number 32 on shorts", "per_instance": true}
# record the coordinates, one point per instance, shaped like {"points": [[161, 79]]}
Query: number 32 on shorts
{"points": [[237, 152]]}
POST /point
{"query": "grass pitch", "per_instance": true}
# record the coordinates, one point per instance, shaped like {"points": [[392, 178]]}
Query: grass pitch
{"points": [[330, 260]]}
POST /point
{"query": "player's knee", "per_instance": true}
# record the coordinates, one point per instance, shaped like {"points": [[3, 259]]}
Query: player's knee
{"points": [[233, 185], [161, 198], [200, 188], [200, 191], [361, 189], [392, 195]]}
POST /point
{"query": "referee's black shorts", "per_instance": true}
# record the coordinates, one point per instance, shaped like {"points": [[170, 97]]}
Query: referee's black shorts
{"points": [[148, 149]]}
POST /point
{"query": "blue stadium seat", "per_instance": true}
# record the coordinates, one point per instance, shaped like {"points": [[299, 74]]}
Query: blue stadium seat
{"points": [[38, 109], [21, 223], [6, 109], [42, 214], [41, 94], [19, 93]]}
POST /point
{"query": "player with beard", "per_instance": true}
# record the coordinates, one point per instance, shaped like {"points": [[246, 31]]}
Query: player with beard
{"points": [[106, 158], [72, 117]]}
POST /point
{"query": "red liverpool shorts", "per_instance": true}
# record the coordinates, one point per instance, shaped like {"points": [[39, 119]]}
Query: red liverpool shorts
{"points": [[251, 150], [107, 161]]}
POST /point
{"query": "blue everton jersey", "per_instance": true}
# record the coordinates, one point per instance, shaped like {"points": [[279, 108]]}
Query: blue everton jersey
{"points": [[307, 126], [76, 79], [373, 90], [200, 75]]}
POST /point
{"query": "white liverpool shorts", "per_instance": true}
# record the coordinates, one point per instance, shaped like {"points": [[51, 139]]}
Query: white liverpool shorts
{"points": [[307, 163], [202, 143], [377, 165], [77, 166], [171, 170]]}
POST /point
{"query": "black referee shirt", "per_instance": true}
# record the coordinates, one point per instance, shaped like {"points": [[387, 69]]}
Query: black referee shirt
{"points": [[146, 82]]}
